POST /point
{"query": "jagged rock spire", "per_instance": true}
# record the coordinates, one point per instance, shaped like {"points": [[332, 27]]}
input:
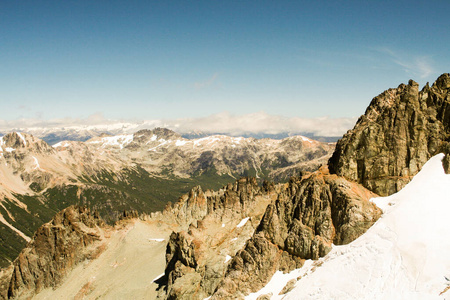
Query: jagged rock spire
{"points": [[400, 130]]}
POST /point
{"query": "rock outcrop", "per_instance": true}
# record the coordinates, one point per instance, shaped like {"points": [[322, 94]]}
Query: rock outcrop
{"points": [[309, 216], [232, 201], [287, 224], [54, 250], [400, 130], [141, 171], [196, 258]]}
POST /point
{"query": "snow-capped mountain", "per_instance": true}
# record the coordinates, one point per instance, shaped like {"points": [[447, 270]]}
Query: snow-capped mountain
{"points": [[404, 255], [324, 129], [140, 171], [317, 236]]}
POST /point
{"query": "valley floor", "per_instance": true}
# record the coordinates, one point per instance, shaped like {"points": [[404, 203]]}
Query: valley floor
{"points": [[132, 258]]}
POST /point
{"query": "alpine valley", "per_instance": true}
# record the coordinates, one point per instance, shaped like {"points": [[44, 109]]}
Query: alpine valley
{"points": [[139, 172], [266, 219]]}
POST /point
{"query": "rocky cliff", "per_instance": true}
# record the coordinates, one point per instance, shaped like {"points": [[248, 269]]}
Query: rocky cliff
{"points": [[400, 130], [228, 243], [309, 216], [220, 223], [286, 224], [55, 249], [141, 171]]}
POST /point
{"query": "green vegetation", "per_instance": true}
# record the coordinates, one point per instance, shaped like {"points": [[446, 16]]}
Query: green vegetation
{"points": [[108, 193]]}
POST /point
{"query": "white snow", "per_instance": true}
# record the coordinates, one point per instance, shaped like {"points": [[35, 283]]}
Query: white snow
{"points": [[180, 143], [156, 240], [158, 277], [237, 140], [242, 223], [37, 163], [118, 140], [209, 139], [305, 139], [223, 225], [23, 139], [162, 144], [61, 144], [227, 259], [8, 149], [404, 255], [278, 282]]}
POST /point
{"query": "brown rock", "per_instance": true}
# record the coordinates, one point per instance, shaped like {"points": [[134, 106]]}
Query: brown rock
{"points": [[55, 249], [401, 129]]}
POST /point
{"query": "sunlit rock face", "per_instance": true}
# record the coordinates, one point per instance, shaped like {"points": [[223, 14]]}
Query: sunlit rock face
{"points": [[401, 129]]}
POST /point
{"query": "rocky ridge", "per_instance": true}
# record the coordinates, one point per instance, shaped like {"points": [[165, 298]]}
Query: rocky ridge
{"points": [[297, 221], [141, 172], [219, 225], [229, 243], [401, 129], [54, 250]]}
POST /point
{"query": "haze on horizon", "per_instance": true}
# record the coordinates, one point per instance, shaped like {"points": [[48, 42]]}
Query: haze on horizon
{"points": [[155, 60]]}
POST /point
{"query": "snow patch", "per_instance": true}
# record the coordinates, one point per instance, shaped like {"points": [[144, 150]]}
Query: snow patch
{"points": [[23, 139], [118, 140], [37, 164], [158, 277], [227, 259], [402, 256], [156, 240], [242, 223], [61, 144], [180, 143], [278, 282], [305, 139], [8, 149], [162, 144]]}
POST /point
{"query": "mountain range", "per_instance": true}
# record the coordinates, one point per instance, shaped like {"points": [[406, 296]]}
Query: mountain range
{"points": [[138, 172], [55, 133], [324, 234]]}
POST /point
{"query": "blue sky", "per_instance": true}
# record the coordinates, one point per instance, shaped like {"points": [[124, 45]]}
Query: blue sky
{"points": [[191, 59]]}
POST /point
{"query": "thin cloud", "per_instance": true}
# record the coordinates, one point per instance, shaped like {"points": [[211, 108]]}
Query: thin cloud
{"points": [[207, 83], [421, 66]]}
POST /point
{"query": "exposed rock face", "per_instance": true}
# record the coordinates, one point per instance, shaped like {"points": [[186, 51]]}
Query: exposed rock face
{"points": [[301, 221], [232, 202], [400, 130], [197, 258], [308, 216], [55, 249], [140, 171]]}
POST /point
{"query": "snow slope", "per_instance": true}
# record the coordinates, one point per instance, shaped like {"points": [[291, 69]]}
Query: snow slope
{"points": [[405, 255]]}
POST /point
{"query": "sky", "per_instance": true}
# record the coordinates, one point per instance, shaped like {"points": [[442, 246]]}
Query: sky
{"points": [[147, 60]]}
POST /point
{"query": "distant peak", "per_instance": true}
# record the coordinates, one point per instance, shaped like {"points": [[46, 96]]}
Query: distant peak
{"points": [[20, 140]]}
